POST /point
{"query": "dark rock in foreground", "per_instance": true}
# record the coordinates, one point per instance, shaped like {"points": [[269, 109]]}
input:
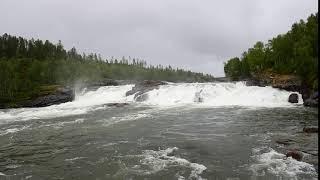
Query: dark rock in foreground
{"points": [[141, 88], [293, 98], [58, 96], [310, 129]]}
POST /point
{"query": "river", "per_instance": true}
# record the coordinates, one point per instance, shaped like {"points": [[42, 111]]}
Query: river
{"points": [[182, 131]]}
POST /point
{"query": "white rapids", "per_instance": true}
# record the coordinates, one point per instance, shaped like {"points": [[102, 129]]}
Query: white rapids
{"points": [[219, 94], [173, 94], [271, 161]]}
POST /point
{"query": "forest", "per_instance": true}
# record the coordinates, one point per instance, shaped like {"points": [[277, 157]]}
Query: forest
{"points": [[293, 53], [27, 66]]}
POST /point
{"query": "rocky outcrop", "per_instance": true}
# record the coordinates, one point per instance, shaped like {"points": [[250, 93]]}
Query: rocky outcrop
{"points": [[141, 88], [293, 98], [268, 78], [285, 82], [58, 96]]}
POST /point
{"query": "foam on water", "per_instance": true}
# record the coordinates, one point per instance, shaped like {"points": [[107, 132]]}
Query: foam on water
{"points": [[173, 94], [84, 103], [152, 162], [219, 94], [270, 161], [12, 130]]}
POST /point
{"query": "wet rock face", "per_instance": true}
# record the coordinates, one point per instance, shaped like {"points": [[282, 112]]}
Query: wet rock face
{"points": [[61, 95], [142, 87], [293, 98], [295, 155]]}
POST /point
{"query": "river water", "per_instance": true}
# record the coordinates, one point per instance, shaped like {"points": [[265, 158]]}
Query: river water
{"points": [[182, 131]]}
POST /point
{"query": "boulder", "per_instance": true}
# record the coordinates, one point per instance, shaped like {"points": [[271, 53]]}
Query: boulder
{"points": [[310, 129], [293, 98], [58, 96], [295, 155]]}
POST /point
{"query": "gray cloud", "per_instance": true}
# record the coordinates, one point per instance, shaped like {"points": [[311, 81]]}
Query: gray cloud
{"points": [[197, 35]]}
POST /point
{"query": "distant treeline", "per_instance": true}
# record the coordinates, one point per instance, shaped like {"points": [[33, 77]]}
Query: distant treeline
{"points": [[26, 65], [295, 52]]}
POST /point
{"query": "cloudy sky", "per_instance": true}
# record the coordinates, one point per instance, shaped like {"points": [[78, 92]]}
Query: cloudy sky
{"points": [[196, 35]]}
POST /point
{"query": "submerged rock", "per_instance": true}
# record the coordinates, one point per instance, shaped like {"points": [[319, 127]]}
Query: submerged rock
{"points": [[117, 104], [310, 129], [293, 98], [295, 155]]}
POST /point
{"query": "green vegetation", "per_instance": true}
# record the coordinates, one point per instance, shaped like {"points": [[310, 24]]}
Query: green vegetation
{"points": [[295, 52], [31, 67]]}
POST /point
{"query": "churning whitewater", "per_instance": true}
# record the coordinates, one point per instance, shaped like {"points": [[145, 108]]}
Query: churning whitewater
{"points": [[174, 94]]}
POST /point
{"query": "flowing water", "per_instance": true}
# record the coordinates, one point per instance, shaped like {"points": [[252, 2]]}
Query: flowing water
{"points": [[182, 131]]}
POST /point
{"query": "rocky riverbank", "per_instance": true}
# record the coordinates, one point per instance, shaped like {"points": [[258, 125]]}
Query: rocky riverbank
{"points": [[288, 83], [47, 95], [56, 94]]}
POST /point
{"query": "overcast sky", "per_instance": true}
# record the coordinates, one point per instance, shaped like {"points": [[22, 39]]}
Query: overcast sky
{"points": [[195, 35]]}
